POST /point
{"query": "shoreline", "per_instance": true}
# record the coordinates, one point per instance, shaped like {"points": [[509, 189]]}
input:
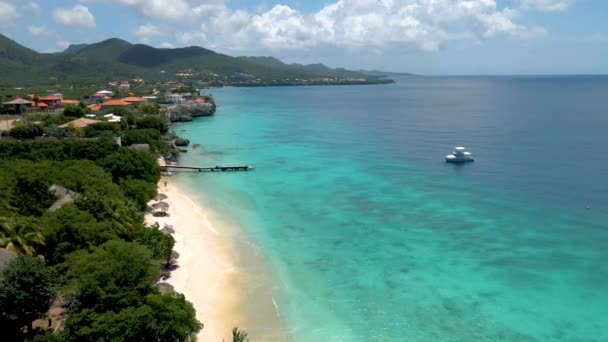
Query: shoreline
{"points": [[219, 272], [206, 267]]}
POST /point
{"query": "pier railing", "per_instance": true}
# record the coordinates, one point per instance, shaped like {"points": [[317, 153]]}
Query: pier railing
{"points": [[207, 168]]}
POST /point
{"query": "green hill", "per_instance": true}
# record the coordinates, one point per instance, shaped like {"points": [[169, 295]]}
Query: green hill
{"points": [[75, 48], [116, 59], [109, 50]]}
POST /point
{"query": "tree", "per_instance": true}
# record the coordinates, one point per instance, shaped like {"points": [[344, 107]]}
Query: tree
{"points": [[152, 122], [26, 131], [140, 191], [26, 290], [69, 229], [159, 243], [121, 215], [160, 318], [31, 194], [127, 163], [75, 111], [142, 136], [239, 335], [110, 277], [148, 108], [97, 129], [20, 235]]}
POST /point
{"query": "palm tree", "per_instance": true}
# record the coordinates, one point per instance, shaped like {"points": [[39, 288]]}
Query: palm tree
{"points": [[239, 335], [20, 235]]}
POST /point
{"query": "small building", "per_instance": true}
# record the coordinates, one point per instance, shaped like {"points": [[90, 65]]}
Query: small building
{"points": [[124, 86], [40, 106], [80, 123], [99, 97], [94, 107], [115, 104], [135, 101], [112, 118], [178, 98], [52, 101], [150, 98], [70, 102]]}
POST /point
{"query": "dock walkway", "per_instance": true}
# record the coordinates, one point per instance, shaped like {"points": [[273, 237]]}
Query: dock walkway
{"points": [[208, 168]]}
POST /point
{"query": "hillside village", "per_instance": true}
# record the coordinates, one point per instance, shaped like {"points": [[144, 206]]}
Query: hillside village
{"points": [[174, 100]]}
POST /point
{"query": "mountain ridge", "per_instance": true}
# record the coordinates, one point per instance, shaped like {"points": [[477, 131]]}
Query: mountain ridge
{"points": [[115, 59]]}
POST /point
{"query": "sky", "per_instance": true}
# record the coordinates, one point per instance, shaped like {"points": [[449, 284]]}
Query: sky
{"points": [[431, 37]]}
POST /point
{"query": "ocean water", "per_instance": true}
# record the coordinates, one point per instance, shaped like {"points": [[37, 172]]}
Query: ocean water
{"points": [[371, 236]]}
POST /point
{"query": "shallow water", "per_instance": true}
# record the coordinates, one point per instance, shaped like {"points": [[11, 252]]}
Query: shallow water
{"points": [[370, 236]]}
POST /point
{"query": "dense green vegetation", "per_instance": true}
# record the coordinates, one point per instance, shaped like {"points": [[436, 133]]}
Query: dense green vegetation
{"points": [[27, 287], [94, 256]]}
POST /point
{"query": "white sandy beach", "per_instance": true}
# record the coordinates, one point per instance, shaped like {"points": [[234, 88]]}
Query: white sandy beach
{"points": [[206, 270]]}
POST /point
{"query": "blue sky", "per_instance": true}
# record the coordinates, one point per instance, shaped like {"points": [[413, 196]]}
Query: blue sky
{"points": [[420, 36]]}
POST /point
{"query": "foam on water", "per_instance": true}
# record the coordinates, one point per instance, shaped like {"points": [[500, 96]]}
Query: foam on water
{"points": [[371, 236]]}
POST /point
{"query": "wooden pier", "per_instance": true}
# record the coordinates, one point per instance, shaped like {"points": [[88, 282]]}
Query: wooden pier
{"points": [[208, 168]]}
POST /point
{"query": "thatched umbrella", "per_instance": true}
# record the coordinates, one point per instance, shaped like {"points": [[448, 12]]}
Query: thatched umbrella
{"points": [[167, 231], [161, 205], [165, 288], [161, 197], [19, 104]]}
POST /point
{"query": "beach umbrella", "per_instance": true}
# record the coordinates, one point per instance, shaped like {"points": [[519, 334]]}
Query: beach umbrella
{"points": [[167, 231], [161, 197], [161, 205], [165, 288], [19, 102]]}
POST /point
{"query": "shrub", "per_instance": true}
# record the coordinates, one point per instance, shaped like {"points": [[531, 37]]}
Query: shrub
{"points": [[142, 136], [75, 111], [152, 122], [26, 131], [98, 129]]}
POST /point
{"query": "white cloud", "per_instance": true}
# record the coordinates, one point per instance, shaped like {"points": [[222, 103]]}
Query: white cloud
{"points": [[39, 31], [547, 5], [166, 45], [145, 32], [62, 45], [33, 8], [8, 13], [156, 9], [193, 38], [355, 24], [78, 16]]}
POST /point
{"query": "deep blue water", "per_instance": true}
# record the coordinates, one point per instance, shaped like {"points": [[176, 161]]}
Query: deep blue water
{"points": [[371, 236]]}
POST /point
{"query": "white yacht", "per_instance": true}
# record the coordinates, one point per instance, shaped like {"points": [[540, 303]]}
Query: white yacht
{"points": [[460, 155]]}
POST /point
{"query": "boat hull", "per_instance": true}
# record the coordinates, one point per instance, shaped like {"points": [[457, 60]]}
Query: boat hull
{"points": [[459, 160]]}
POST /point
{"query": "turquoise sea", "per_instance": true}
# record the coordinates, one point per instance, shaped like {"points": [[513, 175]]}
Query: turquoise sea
{"points": [[370, 236]]}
